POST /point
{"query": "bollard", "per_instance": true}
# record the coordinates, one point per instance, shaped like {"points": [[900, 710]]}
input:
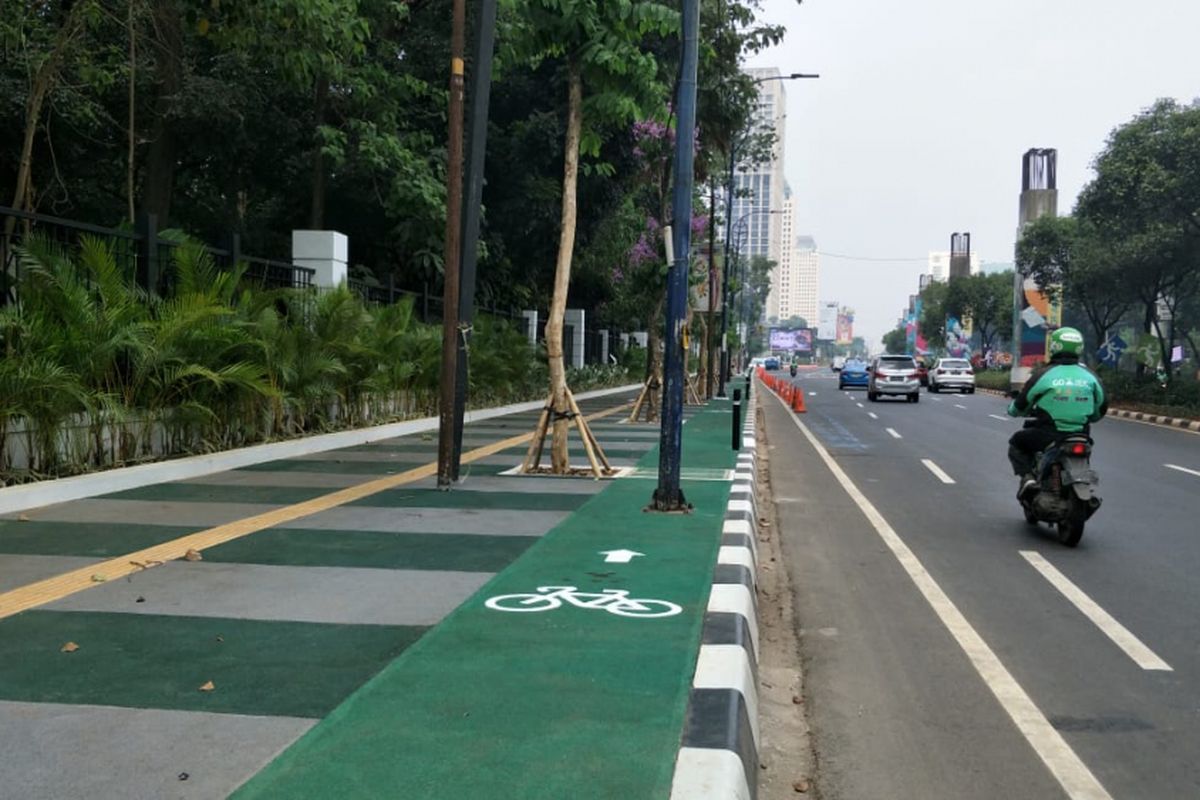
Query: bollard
{"points": [[737, 419], [749, 380]]}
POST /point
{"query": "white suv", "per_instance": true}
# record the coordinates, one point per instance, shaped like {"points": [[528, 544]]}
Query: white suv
{"points": [[952, 373], [894, 375]]}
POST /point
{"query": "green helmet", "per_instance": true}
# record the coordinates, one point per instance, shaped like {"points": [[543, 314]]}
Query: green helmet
{"points": [[1066, 340]]}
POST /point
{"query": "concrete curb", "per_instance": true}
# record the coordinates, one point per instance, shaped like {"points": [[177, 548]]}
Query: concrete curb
{"points": [[1139, 416], [25, 496], [718, 756]]}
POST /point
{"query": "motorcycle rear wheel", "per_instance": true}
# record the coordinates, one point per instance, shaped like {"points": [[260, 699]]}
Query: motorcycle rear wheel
{"points": [[1030, 517], [1070, 530]]}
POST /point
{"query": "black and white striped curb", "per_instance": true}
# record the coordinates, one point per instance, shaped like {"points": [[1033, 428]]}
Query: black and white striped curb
{"points": [[718, 757], [1157, 419]]}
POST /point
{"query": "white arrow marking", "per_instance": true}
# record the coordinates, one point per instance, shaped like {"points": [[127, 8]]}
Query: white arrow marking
{"points": [[620, 556]]}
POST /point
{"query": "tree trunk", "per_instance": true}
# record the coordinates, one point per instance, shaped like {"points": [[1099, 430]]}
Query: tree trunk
{"points": [[131, 160], [710, 362], [562, 275], [316, 217], [40, 87], [159, 182]]}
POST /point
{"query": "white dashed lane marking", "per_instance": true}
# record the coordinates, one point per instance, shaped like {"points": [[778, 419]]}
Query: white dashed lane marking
{"points": [[1143, 656], [895, 435], [936, 470]]}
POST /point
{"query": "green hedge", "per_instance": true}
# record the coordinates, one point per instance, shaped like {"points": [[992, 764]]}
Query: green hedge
{"points": [[97, 373]]}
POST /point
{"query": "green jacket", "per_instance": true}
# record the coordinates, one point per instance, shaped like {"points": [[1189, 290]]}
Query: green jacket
{"points": [[1063, 392]]}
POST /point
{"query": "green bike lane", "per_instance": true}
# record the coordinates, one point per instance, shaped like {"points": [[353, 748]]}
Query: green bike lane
{"points": [[565, 702], [286, 622]]}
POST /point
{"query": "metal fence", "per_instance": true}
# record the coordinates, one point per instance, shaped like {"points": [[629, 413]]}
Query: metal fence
{"points": [[141, 252]]}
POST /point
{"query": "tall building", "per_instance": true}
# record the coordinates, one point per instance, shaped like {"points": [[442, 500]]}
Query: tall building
{"points": [[795, 282], [759, 188]]}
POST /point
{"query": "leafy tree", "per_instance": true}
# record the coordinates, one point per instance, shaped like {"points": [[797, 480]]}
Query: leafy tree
{"points": [[1067, 255], [896, 341], [1145, 204], [602, 45]]}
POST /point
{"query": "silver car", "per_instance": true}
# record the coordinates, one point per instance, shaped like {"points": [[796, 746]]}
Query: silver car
{"points": [[894, 375], [953, 374]]}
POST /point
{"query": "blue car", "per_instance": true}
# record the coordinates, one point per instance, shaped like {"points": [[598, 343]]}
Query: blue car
{"points": [[771, 363], [854, 373]]}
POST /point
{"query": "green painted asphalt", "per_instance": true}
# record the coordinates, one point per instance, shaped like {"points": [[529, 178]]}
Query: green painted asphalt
{"points": [[566, 703], [293, 669], [392, 498], [376, 468], [423, 551], [99, 539]]}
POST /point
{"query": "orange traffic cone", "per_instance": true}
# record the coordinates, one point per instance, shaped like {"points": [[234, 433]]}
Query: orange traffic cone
{"points": [[798, 403]]}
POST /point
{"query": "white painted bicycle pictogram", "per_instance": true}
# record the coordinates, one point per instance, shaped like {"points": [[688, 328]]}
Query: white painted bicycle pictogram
{"points": [[614, 601]]}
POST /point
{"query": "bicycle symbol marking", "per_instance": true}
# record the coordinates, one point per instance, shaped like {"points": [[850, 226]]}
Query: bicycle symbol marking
{"points": [[614, 601]]}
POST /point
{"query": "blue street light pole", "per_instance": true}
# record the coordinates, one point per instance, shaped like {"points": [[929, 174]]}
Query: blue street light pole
{"points": [[668, 496]]}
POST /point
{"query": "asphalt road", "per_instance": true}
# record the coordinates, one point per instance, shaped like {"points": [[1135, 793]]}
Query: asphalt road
{"points": [[940, 659]]}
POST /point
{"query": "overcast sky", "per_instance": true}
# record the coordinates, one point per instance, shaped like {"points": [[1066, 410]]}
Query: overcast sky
{"points": [[924, 107]]}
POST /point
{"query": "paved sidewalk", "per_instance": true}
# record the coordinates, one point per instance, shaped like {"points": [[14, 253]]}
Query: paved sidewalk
{"points": [[361, 629]]}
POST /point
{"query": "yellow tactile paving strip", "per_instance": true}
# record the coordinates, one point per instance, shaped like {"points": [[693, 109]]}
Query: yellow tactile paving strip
{"points": [[49, 590]]}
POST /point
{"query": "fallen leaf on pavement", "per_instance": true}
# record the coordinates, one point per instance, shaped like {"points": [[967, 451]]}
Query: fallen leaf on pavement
{"points": [[207, 686], [797, 699], [193, 555], [98, 578], [69, 647], [800, 786]]}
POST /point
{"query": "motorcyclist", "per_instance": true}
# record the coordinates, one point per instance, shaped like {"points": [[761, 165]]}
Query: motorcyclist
{"points": [[1061, 397]]}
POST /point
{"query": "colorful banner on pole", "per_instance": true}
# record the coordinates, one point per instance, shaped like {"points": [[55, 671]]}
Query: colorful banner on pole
{"points": [[1039, 316]]}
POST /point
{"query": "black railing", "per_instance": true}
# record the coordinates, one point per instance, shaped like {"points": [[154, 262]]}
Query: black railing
{"points": [[141, 252]]}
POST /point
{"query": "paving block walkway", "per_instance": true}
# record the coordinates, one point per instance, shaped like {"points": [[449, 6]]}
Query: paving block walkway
{"points": [[351, 652]]}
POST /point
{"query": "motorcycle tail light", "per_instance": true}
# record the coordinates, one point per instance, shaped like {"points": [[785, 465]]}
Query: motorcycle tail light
{"points": [[1079, 449]]}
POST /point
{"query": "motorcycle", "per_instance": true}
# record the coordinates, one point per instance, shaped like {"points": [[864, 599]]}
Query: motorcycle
{"points": [[1066, 493], [792, 370]]}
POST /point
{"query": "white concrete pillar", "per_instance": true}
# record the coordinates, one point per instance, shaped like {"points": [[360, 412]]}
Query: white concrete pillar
{"points": [[326, 252], [531, 322], [624, 341], [604, 345], [643, 338], [575, 318]]}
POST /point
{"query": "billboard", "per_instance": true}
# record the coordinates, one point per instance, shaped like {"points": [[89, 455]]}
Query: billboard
{"points": [[845, 327], [827, 322], [792, 341]]}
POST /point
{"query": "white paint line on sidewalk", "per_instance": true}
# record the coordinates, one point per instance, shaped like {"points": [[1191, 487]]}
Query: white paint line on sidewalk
{"points": [[1182, 469], [1143, 656], [964, 408], [936, 470], [895, 435], [997, 416], [1072, 774], [872, 415]]}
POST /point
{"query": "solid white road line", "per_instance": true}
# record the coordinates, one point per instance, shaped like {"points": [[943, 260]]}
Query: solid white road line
{"points": [[872, 415], [1143, 656], [936, 470], [1182, 469], [964, 408], [1074, 776], [895, 435], [997, 416]]}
